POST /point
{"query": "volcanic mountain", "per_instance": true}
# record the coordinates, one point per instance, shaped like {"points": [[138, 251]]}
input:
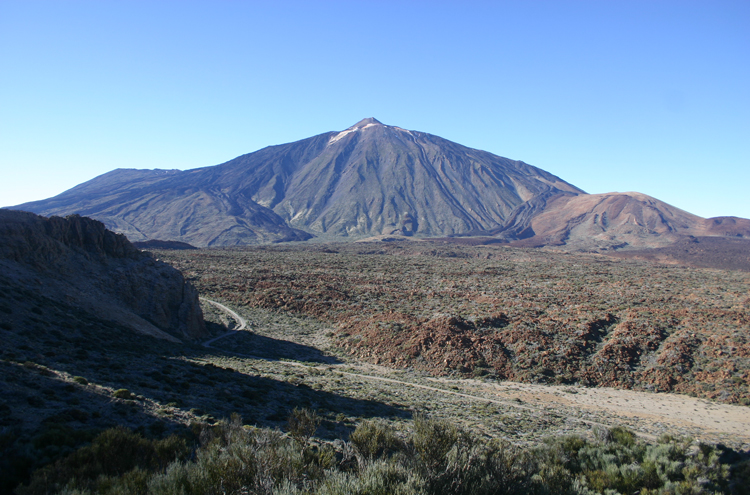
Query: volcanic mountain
{"points": [[369, 179], [372, 179]]}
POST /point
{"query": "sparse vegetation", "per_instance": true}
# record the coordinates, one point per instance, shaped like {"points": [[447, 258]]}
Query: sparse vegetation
{"points": [[302, 425], [435, 458], [417, 425], [122, 393], [502, 313]]}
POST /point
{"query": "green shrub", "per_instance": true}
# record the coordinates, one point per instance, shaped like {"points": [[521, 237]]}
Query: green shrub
{"points": [[302, 424], [452, 461], [378, 478], [80, 380], [123, 393], [433, 439], [623, 436], [112, 454], [375, 439], [564, 451], [436, 458], [234, 460]]}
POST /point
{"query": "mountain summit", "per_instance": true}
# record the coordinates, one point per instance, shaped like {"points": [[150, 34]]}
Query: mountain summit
{"points": [[366, 180], [365, 122]]}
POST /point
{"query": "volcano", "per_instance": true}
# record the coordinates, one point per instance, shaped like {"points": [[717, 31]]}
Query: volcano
{"points": [[367, 180]]}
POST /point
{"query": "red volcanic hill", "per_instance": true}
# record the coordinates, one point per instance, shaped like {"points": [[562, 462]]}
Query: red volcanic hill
{"points": [[616, 220]]}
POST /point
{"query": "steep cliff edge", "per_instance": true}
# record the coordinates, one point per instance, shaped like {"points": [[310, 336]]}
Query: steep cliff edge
{"points": [[78, 261]]}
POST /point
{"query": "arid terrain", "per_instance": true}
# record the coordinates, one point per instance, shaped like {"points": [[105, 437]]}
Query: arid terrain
{"points": [[519, 345], [502, 409], [503, 313]]}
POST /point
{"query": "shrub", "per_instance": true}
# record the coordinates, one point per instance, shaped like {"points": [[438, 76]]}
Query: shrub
{"points": [[302, 424], [234, 460], [80, 380], [437, 458], [112, 454], [433, 439], [378, 478], [375, 439], [123, 393], [623, 436], [564, 451], [452, 461]]}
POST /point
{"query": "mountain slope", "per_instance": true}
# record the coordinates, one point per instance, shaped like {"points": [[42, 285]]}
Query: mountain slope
{"points": [[369, 179], [169, 205], [376, 179]]}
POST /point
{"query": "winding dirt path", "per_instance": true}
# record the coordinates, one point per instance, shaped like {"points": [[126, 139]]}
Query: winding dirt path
{"points": [[241, 322]]}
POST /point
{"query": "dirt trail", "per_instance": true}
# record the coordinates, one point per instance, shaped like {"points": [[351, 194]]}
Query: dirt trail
{"points": [[241, 322], [679, 411]]}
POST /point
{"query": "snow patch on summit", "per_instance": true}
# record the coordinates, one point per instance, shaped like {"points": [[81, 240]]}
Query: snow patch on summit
{"points": [[341, 135], [350, 130], [360, 127]]}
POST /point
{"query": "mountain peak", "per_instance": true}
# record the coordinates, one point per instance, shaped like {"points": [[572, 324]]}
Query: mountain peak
{"points": [[365, 122], [359, 126]]}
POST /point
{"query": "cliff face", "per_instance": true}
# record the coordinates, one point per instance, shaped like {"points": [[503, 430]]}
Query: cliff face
{"points": [[77, 259]]}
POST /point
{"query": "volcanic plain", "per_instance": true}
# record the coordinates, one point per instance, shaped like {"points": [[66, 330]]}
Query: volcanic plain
{"points": [[563, 341]]}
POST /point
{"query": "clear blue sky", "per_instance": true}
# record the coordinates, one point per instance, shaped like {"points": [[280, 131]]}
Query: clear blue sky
{"points": [[650, 96]]}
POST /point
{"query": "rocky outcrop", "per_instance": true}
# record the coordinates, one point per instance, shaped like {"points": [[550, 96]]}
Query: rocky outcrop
{"points": [[77, 259]]}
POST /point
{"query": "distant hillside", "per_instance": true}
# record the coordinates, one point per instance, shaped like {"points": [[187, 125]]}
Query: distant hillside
{"points": [[596, 222], [170, 204]]}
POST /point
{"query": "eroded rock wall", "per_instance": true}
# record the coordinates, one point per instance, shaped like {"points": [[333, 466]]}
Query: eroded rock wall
{"points": [[94, 263]]}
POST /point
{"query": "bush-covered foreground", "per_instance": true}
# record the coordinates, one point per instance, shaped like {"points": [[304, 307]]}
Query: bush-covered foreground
{"points": [[435, 458]]}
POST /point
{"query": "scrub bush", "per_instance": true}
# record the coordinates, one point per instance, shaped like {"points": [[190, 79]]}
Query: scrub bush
{"points": [[436, 458]]}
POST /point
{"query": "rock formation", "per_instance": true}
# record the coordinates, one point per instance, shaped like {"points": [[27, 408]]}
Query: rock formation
{"points": [[77, 260]]}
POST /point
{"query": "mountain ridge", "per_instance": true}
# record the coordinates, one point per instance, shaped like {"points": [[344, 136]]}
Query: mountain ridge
{"points": [[606, 221]]}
